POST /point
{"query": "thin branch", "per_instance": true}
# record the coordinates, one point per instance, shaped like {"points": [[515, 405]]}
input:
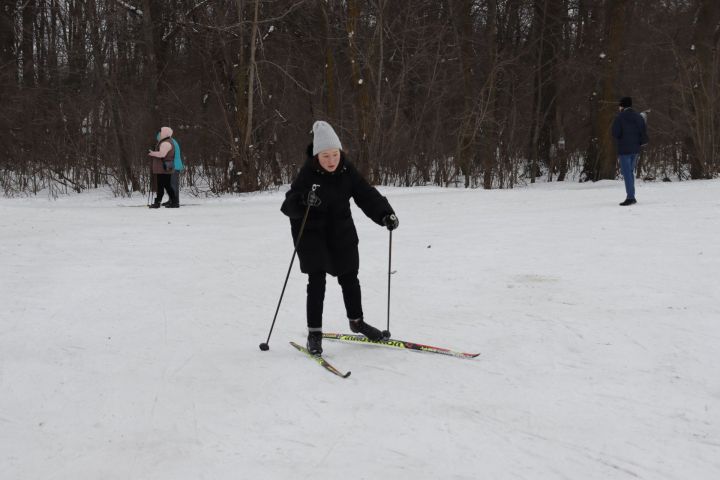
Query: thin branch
{"points": [[134, 10], [301, 87], [178, 25]]}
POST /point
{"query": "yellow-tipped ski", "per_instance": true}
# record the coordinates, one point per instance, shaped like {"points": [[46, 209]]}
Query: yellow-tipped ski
{"points": [[324, 363]]}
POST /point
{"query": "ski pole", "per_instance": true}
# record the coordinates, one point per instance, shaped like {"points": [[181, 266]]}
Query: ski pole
{"points": [[386, 333], [265, 345]]}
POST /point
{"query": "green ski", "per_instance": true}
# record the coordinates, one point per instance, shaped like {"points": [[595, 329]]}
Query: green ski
{"points": [[401, 344], [321, 361]]}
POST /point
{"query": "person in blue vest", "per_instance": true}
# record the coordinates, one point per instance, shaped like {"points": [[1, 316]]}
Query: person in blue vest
{"points": [[630, 134], [163, 166], [178, 167]]}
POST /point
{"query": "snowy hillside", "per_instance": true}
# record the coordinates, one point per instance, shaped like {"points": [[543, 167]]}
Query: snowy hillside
{"points": [[129, 340]]}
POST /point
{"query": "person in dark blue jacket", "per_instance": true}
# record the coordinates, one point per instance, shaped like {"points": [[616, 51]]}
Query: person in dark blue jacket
{"points": [[329, 243], [630, 134]]}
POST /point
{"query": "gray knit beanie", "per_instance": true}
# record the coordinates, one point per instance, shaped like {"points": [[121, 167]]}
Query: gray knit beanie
{"points": [[324, 137]]}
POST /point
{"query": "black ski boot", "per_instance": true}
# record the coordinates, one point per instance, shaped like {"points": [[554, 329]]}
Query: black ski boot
{"points": [[165, 204], [154, 205], [314, 343], [359, 326]]}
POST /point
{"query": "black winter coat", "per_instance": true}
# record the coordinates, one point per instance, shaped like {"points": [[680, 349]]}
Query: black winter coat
{"points": [[629, 131], [329, 242]]}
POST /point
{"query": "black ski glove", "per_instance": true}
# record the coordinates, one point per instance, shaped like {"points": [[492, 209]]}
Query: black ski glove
{"points": [[312, 199], [391, 221]]}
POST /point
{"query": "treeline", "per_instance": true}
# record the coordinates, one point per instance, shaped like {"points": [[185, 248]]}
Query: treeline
{"points": [[479, 93]]}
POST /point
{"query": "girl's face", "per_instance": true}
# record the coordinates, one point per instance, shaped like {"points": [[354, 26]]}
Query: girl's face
{"points": [[329, 159]]}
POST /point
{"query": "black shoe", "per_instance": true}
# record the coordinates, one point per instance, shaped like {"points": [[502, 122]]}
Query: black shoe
{"points": [[172, 205], [165, 204], [628, 201], [359, 326], [314, 343], [154, 205]]}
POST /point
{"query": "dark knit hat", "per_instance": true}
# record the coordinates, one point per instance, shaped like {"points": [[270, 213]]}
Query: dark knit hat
{"points": [[626, 102]]}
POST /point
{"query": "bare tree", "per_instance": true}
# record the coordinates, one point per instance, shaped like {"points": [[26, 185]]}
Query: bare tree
{"points": [[701, 91], [464, 92], [547, 39], [8, 66], [602, 163]]}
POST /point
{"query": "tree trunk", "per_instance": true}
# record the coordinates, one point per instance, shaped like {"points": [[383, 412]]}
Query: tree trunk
{"points": [[52, 45], [129, 178], [615, 12], [8, 64], [360, 87], [705, 103], [330, 100], [249, 176], [463, 22], [26, 44], [548, 40], [152, 39], [489, 141]]}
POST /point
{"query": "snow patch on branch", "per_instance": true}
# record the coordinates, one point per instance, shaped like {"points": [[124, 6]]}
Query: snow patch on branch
{"points": [[133, 9]]}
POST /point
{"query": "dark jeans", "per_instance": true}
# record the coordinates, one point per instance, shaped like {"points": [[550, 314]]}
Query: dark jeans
{"points": [[316, 296], [627, 168], [163, 185]]}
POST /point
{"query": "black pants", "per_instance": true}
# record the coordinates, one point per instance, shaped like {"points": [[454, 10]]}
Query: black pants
{"points": [[316, 296], [163, 185], [175, 184]]}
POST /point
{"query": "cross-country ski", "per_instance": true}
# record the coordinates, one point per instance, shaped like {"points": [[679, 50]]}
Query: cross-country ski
{"points": [[399, 344], [321, 361]]}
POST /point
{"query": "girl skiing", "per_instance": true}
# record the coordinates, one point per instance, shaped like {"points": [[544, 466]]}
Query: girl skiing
{"points": [[329, 241]]}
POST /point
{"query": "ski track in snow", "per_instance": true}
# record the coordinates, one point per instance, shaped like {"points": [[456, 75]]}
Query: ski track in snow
{"points": [[129, 339]]}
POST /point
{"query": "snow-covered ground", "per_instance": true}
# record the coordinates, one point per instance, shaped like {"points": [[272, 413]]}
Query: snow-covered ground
{"points": [[129, 340]]}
